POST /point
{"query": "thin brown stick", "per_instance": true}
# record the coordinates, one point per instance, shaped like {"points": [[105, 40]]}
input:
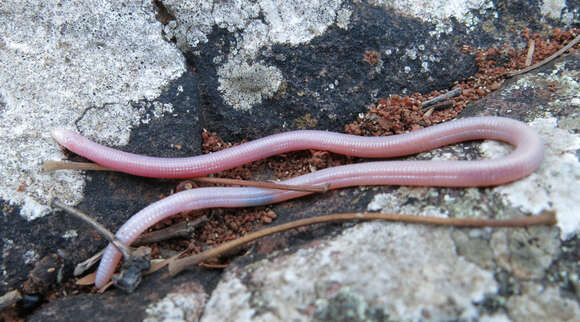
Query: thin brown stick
{"points": [[531, 48], [51, 165], [124, 249], [429, 112], [181, 229], [9, 299], [85, 265], [547, 60], [440, 98], [136, 260], [438, 106], [220, 266], [443, 105], [178, 265], [262, 184]]}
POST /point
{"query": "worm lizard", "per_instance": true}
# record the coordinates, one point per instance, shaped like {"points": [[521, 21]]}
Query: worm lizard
{"points": [[525, 158]]}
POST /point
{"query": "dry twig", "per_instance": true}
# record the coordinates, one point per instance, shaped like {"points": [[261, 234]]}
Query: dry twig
{"points": [[178, 265], [51, 165], [547, 60], [124, 249], [531, 48], [9, 299], [85, 265], [181, 229], [441, 98], [262, 184], [136, 260]]}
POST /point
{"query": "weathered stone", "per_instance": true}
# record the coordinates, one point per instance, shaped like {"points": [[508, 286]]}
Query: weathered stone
{"points": [[246, 69]]}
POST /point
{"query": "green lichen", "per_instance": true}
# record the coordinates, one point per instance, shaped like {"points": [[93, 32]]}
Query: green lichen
{"points": [[347, 305], [306, 122]]}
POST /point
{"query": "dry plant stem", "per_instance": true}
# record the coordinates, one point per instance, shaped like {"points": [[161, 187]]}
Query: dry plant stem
{"points": [[124, 249], [51, 165], [442, 97], [260, 184], [155, 266], [220, 266], [182, 229], [547, 60], [443, 105], [9, 299], [530, 56], [178, 265], [85, 265]]}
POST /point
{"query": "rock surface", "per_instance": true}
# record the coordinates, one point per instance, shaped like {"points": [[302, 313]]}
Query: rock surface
{"points": [[149, 76]]}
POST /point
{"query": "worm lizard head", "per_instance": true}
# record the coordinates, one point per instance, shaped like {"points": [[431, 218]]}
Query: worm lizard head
{"points": [[62, 136]]}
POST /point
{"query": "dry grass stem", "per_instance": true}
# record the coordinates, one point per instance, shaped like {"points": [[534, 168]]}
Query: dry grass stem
{"points": [[178, 265]]}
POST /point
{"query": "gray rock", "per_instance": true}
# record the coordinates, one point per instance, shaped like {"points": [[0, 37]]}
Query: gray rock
{"points": [[149, 76]]}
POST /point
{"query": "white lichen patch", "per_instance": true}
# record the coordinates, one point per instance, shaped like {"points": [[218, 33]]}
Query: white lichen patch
{"points": [[115, 133], [513, 252], [59, 60], [4, 274], [230, 296], [557, 9], [177, 306], [30, 257], [408, 271], [567, 88], [255, 24], [396, 202], [555, 184], [438, 12], [157, 110], [539, 303], [196, 18], [245, 85], [343, 18], [298, 21], [290, 22], [7, 247], [70, 234], [497, 317], [126, 117], [563, 81]]}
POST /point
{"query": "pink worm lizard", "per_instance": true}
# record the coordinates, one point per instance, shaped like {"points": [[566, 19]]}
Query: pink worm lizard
{"points": [[526, 157]]}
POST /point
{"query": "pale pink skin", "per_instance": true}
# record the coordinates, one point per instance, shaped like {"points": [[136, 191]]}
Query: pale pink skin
{"points": [[525, 158]]}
